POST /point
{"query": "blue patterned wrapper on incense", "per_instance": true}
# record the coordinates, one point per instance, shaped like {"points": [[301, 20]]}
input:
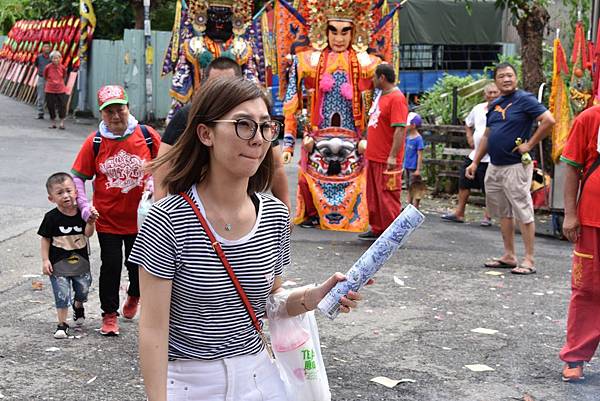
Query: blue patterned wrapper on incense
{"points": [[373, 259]]}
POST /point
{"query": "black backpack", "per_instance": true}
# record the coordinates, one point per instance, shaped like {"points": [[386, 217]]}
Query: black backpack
{"points": [[98, 140]]}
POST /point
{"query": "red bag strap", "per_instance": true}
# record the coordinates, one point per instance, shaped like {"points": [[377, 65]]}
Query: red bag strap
{"points": [[217, 247]]}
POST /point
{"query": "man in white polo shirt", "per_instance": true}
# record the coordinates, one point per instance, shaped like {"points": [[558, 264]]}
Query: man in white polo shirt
{"points": [[475, 125]]}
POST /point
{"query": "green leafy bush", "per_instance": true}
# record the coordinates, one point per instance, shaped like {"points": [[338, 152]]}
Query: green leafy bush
{"points": [[436, 105]]}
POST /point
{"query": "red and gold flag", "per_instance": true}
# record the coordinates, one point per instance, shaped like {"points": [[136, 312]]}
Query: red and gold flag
{"points": [[292, 37], [559, 101], [580, 85], [382, 40]]}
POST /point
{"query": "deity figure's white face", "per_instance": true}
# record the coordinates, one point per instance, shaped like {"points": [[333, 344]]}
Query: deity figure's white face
{"points": [[339, 35]]}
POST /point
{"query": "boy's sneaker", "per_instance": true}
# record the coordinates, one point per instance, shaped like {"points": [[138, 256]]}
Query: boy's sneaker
{"points": [[130, 307], [573, 372], [78, 315], [110, 326], [62, 331]]}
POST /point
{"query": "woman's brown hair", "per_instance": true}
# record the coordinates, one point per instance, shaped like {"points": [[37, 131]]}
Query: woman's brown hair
{"points": [[189, 159]]}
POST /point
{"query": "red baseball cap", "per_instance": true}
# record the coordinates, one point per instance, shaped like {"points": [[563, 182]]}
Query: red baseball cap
{"points": [[111, 94]]}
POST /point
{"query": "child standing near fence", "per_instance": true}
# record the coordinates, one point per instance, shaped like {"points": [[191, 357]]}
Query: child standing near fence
{"points": [[413, 159], [64, 249]]}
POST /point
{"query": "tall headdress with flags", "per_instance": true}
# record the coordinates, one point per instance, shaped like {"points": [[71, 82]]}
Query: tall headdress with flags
{"points": [[302, 24], [193, 47]]}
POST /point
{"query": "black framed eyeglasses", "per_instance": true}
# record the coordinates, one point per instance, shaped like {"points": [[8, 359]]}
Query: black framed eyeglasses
{"points": [[246, 128]]}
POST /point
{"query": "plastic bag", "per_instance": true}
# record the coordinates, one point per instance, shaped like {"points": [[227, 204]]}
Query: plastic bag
{"points": [[144, 207], [297, 349]]}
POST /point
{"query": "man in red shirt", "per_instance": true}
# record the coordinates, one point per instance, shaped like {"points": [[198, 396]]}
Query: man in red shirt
{"points": [[582, 226], [114, 157], [384, 153]]}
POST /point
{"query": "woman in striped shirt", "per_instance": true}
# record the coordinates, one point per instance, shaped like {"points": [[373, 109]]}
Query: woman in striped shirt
{"points": [[197, 341]]}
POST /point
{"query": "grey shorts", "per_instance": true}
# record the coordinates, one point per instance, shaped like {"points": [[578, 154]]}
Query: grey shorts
{"points": [[508, 191]]}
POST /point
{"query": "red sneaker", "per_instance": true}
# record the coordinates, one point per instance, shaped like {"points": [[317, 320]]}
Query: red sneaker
{"points": [[110, 326], [573, 372], [130, 307]]}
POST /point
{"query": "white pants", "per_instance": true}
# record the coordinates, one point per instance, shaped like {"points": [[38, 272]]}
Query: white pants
{"points": [[242, 378]]}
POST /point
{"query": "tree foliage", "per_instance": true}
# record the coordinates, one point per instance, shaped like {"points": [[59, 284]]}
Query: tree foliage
{"points": [[577, 9], [434, 105], [113, 16], [530, 18]]}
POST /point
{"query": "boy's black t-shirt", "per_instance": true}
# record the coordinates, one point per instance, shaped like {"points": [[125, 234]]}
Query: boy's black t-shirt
{"points": [[67, 234]]}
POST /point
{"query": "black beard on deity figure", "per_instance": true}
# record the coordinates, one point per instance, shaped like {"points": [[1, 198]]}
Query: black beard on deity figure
{"points": [[219, 26]]}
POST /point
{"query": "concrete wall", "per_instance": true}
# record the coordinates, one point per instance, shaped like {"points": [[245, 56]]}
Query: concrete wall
{"points": [[121, 62]]}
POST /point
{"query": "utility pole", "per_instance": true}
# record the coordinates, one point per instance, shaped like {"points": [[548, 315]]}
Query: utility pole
{"points": [[86, 27], [595, 16], [149, 60]]}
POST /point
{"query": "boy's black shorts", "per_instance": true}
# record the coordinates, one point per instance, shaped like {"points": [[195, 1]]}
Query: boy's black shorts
{"points": [[477, 182]]}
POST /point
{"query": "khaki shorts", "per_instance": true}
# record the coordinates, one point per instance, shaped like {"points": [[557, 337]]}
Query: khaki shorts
{"points": [[507, 191]]}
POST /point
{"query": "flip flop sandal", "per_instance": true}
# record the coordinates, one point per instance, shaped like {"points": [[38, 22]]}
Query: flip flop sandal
{"points": [[452, 217], [52, 127], [499, 264], [523, 270], [61, 127]]}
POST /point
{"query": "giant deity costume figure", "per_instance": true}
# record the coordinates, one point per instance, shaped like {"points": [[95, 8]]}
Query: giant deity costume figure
{"points": [[203, 31], [336, 75]]}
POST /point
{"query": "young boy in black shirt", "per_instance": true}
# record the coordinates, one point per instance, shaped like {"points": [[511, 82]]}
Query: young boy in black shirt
{"points": [[65, 251]]}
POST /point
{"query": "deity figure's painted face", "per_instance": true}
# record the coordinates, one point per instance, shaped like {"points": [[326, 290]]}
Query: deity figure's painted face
{"points": [[339, 35], [219, 26]]}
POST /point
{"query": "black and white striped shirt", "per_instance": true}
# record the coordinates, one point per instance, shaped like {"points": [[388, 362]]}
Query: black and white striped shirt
{"points": [[207, 318]]}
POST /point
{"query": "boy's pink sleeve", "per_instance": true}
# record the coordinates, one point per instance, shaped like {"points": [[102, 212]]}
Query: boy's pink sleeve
{"points": [[82, 200], [84, 165]]}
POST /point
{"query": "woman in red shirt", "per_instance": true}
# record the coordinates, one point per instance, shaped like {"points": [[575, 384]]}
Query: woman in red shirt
{"points": [[55, 89]]}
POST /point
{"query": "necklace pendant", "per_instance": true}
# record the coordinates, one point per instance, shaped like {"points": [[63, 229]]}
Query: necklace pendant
{"points": [[227, 227]]}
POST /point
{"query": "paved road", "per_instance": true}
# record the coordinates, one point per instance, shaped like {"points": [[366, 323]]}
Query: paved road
{"points": [[415, 324]]}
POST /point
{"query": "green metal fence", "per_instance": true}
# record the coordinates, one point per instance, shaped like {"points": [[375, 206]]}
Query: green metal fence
{"points": [[121, 62]]}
